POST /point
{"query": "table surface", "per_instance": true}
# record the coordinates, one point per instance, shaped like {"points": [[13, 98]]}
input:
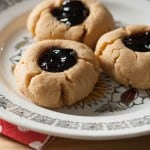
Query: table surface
{"points": [[140, 143]]}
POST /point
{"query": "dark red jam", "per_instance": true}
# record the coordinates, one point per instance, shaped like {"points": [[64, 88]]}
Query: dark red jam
{"points": [[57, 59], [72, 12], [139, 42]]}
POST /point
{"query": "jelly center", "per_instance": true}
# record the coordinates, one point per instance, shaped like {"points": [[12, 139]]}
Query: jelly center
{"points": [[72, 12], [57, 59], [139, 42]]}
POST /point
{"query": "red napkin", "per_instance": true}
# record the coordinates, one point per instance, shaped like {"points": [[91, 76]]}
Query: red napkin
{"points": [[32, 139]]}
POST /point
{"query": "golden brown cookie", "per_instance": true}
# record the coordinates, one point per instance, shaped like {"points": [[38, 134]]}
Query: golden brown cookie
{"points": [[64, 19], [54, 73], [124, 54]]}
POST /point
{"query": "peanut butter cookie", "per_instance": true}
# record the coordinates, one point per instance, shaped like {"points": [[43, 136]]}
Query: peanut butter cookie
{"points": [[53, 73], [124, 54], [84, 21]]}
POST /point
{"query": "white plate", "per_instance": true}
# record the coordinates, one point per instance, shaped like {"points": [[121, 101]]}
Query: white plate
{"points": [[120, 112]]}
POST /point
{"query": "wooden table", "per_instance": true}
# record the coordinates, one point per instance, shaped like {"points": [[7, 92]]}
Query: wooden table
{"points": [[140, 143]]}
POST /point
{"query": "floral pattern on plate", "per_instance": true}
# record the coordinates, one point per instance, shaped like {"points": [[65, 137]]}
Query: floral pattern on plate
{"points": [[4, 4], [107, 96]]}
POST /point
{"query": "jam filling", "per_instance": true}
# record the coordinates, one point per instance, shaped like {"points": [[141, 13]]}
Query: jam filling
{"points": [[139, 42], [72, 12], [57, 59]]}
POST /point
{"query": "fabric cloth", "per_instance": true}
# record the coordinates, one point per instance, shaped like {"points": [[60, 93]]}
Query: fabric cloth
{"points": [[32, 139]]}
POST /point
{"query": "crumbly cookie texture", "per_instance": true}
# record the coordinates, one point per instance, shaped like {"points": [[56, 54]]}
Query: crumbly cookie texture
{"points": [[43, 25], [53, 90], [126, 66]]}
